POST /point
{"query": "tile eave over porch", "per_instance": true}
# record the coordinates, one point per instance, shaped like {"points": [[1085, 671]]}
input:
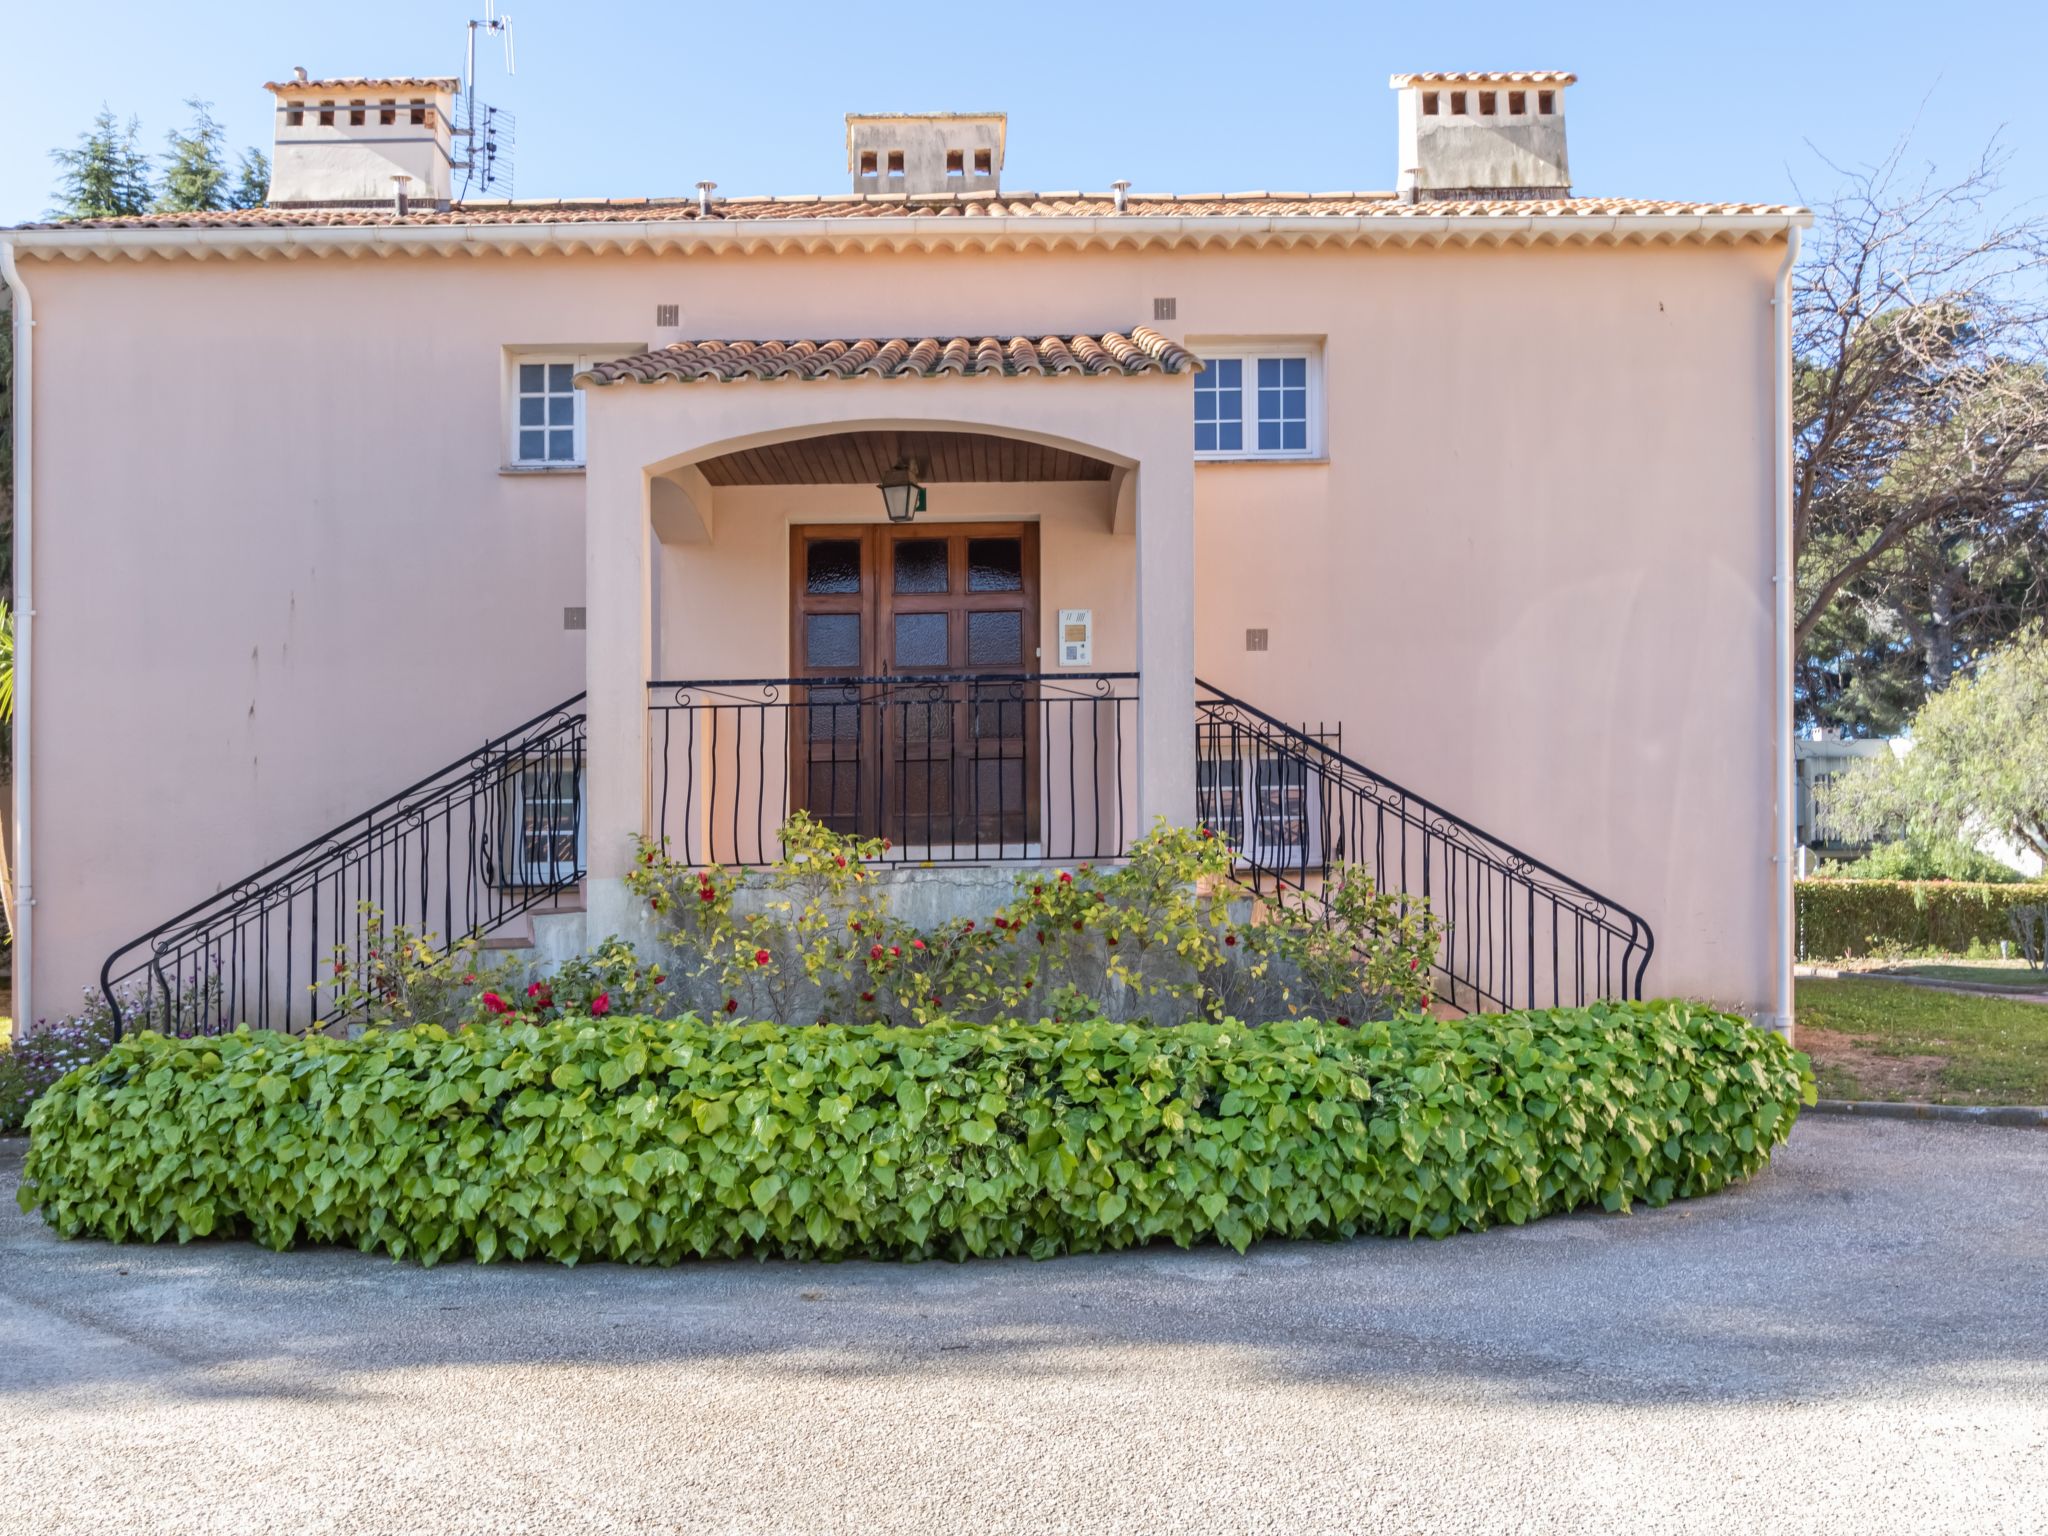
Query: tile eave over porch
{"points": [[642, 443]]}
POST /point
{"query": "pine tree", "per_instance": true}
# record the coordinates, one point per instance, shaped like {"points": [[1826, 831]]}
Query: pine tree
{"points": [[106, 176], [195, 180], [252, 184]]}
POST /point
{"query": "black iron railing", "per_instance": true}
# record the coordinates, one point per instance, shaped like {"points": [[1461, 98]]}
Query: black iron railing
{"points": [[1516, 933], [461, 852], [949, 768]]}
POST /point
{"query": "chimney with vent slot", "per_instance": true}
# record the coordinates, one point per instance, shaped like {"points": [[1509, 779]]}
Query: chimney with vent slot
{"points": [[362, 143], [926, 154], [1482, 136]]}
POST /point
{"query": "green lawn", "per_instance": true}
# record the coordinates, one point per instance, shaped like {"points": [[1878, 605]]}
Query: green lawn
{"points": [[1884, 1040], [2006, 975]]}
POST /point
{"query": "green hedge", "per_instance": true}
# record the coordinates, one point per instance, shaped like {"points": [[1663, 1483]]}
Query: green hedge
{"points": [[654, 1141], [1843, 918]]}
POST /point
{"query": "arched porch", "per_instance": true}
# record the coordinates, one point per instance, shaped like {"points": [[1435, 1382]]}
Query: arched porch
{"points": [[739, 556]]}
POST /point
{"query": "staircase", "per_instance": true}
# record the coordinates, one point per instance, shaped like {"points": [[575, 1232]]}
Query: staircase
{"points": [[1516, 932], [491, 846], [488, 842]]}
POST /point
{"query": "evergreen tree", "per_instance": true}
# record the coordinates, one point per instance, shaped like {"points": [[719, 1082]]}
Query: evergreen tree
{"points": [[195, 179], [252, 184], [106, 176]]}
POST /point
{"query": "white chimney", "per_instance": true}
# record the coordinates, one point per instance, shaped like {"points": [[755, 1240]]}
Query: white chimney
{"points": [[344, 143], [1468, 136], [926, 153]]}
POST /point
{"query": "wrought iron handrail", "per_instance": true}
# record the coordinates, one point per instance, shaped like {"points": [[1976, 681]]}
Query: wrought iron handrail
{"points": [[1518, 933], [951, 767], [469, 847]]}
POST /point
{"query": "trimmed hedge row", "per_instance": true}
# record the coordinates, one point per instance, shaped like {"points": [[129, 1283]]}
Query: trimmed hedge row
{"points": [[648, 1141], [1839, 919]]}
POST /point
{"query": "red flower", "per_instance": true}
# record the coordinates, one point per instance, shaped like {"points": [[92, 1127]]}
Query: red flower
{"points": [[1207, 834], [935, 999], [657, 978], [537, 989], [1112, 941], [647, 857], [1041, 935], [854, 925], [1230, 939], [761, 957], [885, 845], [1344, 1021], [1027, 986], [469, 978], [600, 1005], [1038, 890], [840, 860], [1077, 925], [654, 902], [970, 925], [1065, 878], [702, 878], [1412, 964], [496, 1003], [732, 1004], [340, 968], [1002, 922], [875, 952], [917, 943], [867, 997], [705, 893], [896, 950]]}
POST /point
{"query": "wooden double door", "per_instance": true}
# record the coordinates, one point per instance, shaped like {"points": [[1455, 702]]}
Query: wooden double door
{"points": [[922, 723]]}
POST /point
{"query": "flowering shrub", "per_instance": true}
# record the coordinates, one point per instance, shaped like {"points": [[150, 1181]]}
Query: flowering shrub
{"points": [[1158, 930], [407, 978], [37, 1057]]}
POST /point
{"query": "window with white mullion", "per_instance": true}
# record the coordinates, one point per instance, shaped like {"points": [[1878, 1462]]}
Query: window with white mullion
{"points": [[1258, 402], [548, 426]]}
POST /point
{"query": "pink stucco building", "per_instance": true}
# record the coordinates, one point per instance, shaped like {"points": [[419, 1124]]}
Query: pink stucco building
{"points": [[1441, 529]]}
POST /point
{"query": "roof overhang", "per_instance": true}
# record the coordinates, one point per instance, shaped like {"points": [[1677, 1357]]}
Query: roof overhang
{"points": [[1108, 354], [909, 234]]}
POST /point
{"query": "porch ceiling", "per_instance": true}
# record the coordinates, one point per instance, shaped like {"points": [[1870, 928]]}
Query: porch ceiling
{"points": [[860, 458]]}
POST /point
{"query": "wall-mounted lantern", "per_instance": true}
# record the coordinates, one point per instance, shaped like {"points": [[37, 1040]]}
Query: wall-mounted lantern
{"points": [[901, 494]]}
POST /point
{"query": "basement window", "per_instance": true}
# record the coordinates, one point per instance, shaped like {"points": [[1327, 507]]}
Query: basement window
{"points": [[1429, 103], [1546, 103], [1259, 401], [1457, 103], [547, 410]]}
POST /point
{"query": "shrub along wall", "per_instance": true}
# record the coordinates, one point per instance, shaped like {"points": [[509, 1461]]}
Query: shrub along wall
{"points": [[646, 1140], [1844, 918]]}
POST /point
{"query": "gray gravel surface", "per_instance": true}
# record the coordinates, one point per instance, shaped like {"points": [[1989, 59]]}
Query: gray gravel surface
{"points": [[1855, 1341]]}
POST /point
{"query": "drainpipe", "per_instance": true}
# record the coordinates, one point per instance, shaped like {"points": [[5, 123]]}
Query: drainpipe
{"points": [[1786, 832], [24, 627]]}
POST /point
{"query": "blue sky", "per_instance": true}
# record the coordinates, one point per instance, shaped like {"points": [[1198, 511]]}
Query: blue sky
{"points": [[1736, 100]]}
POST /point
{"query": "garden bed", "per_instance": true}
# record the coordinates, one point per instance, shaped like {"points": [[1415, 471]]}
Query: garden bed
{"points": [[656, 1140]]}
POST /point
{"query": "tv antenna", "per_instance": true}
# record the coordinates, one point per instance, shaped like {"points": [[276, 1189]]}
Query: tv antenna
{"points": [[488, 165]]}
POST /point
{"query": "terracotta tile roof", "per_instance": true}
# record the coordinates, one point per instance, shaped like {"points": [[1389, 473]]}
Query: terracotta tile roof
{"points": [[1144, 350], [1482, 77], [370, 83], [963, 206]]}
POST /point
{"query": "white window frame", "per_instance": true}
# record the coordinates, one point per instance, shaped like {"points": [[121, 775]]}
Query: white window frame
{"points": [[520, 869], [577, 361], [1249, 353]]}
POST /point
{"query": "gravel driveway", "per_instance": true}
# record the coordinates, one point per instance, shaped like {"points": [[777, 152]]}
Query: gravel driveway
{"points": [[1855, 1341]]}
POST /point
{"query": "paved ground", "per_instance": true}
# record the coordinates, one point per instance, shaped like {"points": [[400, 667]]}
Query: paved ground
{"points": [[1856, 1341]]}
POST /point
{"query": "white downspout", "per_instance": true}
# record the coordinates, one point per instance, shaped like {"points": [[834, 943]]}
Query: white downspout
{"points": [[24, 626], [1784, 580]]}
